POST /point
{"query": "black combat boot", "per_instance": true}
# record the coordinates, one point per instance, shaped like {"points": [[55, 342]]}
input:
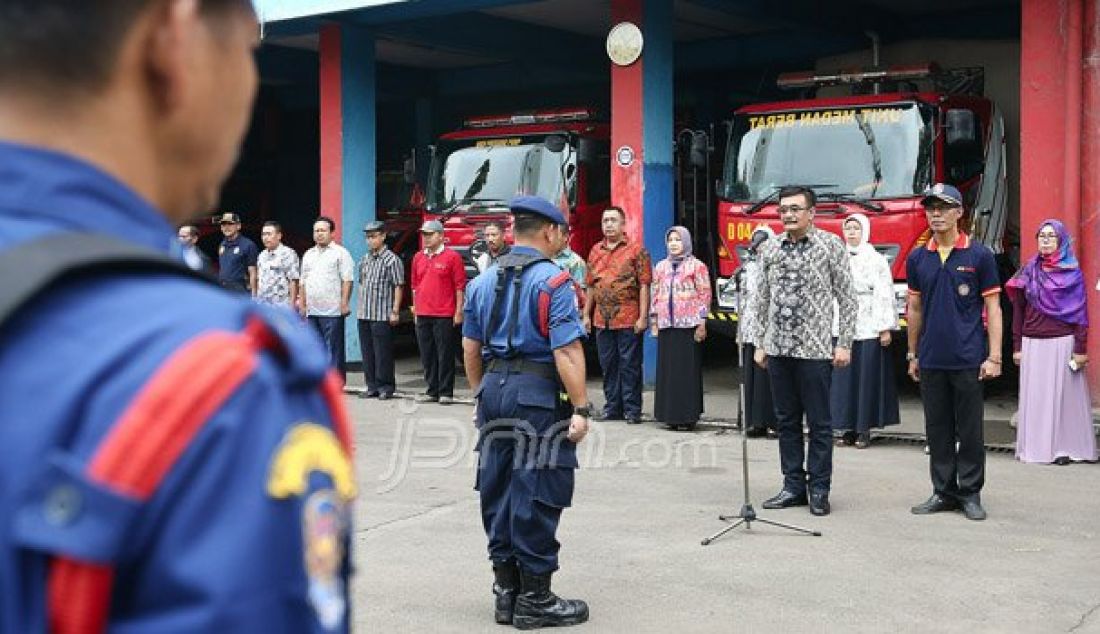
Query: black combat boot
{"points": [[506, 589], [537, 606]]}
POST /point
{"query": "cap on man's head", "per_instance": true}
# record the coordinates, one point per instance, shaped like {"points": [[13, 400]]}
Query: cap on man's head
{"points": [[431, 226], [374, 226], [229, 218], [538, 206], [942, 192]]}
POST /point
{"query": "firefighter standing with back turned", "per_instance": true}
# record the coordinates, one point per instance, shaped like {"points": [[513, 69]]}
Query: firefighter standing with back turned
{"points": [[522, 311]]}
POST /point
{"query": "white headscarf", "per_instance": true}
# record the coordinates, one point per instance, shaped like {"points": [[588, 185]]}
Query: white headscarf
{"points": [[864, 245]]}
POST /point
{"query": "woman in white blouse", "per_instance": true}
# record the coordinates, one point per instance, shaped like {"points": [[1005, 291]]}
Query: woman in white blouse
{"points": [[864, 394]]}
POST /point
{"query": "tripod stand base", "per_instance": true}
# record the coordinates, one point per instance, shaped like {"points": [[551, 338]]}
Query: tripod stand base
{"points": [[746, 517]]}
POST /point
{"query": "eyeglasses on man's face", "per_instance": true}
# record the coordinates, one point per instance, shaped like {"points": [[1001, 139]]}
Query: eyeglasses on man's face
{"points": [[792, 209]]}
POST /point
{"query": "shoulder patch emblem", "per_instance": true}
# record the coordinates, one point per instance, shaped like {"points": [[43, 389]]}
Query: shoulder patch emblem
{"points": [[324, 529], [308, 448]]}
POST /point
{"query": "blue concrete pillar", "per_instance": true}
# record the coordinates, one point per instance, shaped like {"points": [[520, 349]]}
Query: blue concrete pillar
{"points": [[658, 204], [348, 138]]}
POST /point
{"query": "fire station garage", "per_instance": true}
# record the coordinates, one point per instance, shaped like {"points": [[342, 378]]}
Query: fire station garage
{"points": [[681, 112]]}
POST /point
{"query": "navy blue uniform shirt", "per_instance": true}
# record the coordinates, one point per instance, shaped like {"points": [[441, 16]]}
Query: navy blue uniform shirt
{"points": [[234, 258], [952, 298], [153, 431], [563, 317]]}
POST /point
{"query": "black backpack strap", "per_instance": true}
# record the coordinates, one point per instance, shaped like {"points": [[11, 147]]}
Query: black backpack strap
{"points": [[513, 263], [498, 302], [31, 268], [517, 282]]}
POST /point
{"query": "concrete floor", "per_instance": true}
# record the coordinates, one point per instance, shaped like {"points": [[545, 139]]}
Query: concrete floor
{"points": [[646, 497]]}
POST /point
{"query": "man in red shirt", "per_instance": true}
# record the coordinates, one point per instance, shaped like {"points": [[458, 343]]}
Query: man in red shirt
{"points": [[617, 304], [439, 288]]}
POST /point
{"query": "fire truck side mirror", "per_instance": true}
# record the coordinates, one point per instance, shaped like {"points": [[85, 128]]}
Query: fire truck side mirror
{"points": [[409, 169], [961, 126], [720, 188]]}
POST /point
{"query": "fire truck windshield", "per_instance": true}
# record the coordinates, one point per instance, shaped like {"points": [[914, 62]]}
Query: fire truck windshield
{"points": [[495, 171], [881, 151]]}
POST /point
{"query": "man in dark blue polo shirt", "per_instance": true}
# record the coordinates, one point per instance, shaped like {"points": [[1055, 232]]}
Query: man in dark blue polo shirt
{"points": [[951, 281], [236, 257]]}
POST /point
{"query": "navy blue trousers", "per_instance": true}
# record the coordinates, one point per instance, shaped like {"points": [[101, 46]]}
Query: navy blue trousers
{"points": [[801, 387], [331, 330], [620, 351], [376, 344], [525, 468]]}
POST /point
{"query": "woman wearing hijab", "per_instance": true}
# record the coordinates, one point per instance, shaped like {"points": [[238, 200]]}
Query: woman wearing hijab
{"points": [[864, 395], [678, 314], [1049, 335], [759, 414]]}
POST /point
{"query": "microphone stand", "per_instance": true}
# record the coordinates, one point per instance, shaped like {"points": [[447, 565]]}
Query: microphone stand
{"points": [[747, 515]]}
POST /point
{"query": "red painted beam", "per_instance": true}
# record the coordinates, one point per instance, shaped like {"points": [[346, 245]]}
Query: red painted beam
{"points": [[1042, 117], [626, 126], [1060, 134], [332, 126], [1071, 205], [1089, 244]]}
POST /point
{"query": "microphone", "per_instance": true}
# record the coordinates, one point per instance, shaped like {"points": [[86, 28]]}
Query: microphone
{"points": [[758, 238]]}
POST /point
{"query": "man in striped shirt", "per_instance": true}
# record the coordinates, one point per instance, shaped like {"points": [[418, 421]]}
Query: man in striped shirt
{"points": [[381, 275]]}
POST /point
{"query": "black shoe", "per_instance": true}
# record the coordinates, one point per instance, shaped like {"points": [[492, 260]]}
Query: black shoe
{"points": [[756, 432], [605, 417], [773, 434], [505, 589], [633, 420], [368, 395], [935, 504], [972, 508], [819, 503], [1062, 461], [847, 439], [385, 396], [537, 606], [785, 499]]}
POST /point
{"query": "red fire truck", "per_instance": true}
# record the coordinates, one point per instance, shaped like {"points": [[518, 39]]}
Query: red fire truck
{"points": [[871, 151], [562, 155]]}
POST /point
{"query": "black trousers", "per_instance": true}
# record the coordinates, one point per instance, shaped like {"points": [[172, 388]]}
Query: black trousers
{"points": [[954, 410], [801, 386], [436, 338], [759, 409], [376, 344]]}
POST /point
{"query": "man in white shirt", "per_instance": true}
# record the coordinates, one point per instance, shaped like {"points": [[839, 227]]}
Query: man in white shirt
{"points": [[325, 289]]}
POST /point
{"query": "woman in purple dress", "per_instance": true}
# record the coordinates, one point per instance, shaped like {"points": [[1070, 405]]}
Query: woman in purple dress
{"points": [[1049, 331]]}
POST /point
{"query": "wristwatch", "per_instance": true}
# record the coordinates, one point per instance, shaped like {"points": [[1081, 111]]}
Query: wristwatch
{"points": [[910, 356], [583, 410]]}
